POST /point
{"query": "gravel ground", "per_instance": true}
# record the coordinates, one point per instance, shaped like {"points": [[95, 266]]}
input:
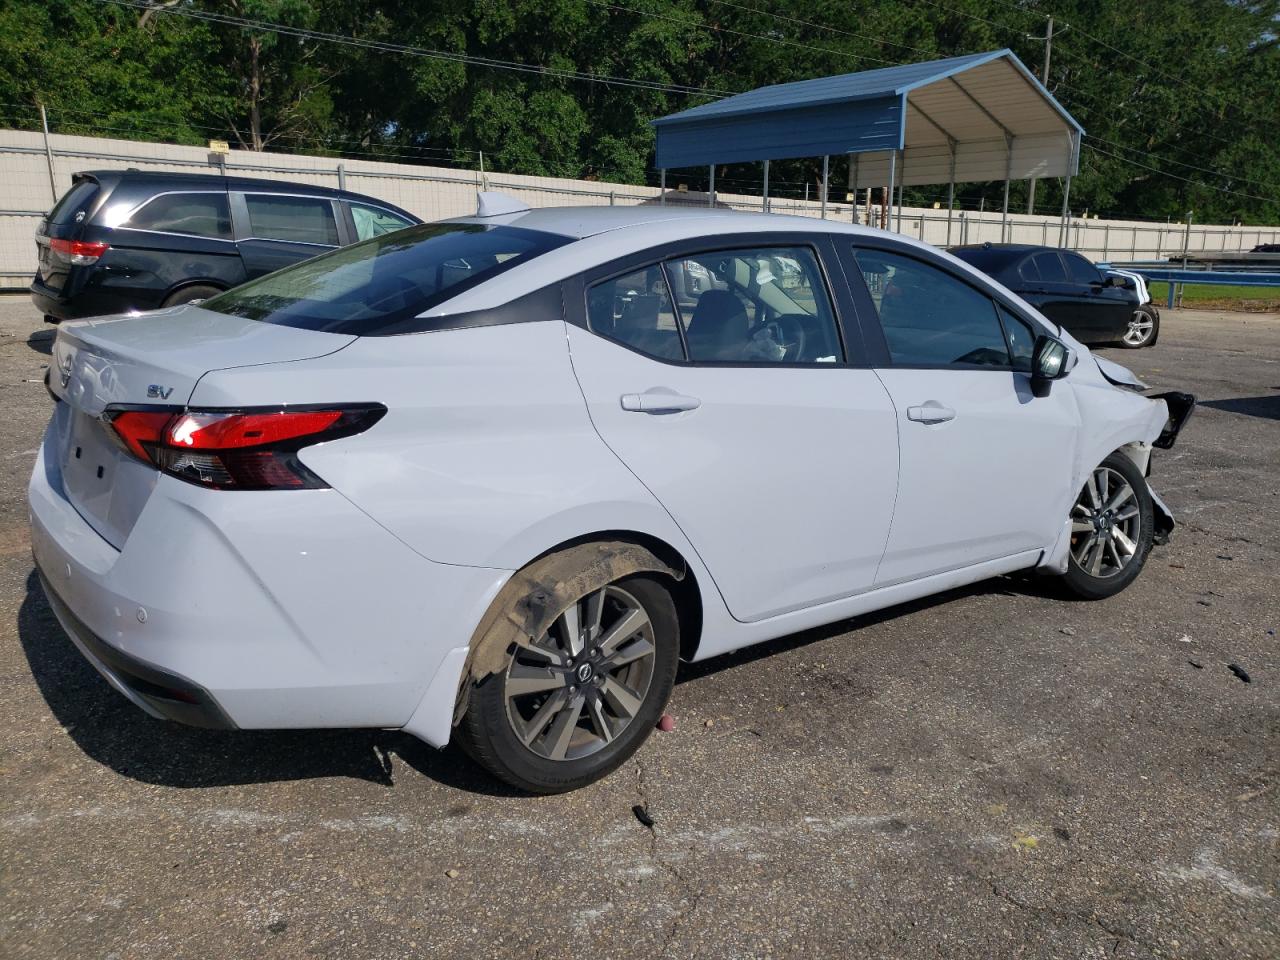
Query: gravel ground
{"points": [[993, 772]]}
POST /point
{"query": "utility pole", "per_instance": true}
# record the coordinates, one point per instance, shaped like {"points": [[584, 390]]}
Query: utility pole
{"points": [[1044, 79]]}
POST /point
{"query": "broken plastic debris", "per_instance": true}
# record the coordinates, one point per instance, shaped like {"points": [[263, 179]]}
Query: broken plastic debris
{"points": [[1185, 638], [1024, 841], [451, 874], [1198, 666], [642, 814], [1239, 671], [1068, 631]]}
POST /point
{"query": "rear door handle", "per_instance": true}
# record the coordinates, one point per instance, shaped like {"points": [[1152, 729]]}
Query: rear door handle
{"points": [[653, 401], [931, 411]]}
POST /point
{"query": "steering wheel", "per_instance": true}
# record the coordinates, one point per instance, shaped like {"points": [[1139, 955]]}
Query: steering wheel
{"points": [[788, 332]]}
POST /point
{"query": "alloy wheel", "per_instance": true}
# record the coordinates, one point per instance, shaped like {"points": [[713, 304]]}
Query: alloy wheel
{"points": [[1139, 331], [1106, 524], [575, 689]]}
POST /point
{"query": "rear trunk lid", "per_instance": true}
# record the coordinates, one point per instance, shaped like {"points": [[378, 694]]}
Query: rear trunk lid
{"points": [[152, 359]]}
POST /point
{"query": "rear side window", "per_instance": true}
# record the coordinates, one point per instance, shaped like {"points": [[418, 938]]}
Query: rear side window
{"points": [[929, 317], [295, 219], [375, 221], [1050, 267], [190, 214], [367, 288], [75, 201]]}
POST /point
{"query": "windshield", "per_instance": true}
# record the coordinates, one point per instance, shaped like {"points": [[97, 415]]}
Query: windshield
{"points": [[369, 287]]}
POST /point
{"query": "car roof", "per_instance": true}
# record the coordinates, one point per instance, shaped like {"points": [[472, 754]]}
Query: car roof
{"points": [[163, 180], [582, 222], [603, 234]]}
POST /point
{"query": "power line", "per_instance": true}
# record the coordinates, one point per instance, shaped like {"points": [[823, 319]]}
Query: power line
{"points": [[1174, 176], [822, 26], [1179, 163], [382, 46]]}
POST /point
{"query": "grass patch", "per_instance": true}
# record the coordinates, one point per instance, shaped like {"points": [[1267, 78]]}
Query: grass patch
{"points": [[1193, 293]]}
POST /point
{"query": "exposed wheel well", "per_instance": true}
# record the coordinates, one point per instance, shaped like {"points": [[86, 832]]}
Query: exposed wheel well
{"points": [[687, 593]]}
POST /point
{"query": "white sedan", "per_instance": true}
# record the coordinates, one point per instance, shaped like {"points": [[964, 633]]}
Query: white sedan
{"points": [[494, 477]]}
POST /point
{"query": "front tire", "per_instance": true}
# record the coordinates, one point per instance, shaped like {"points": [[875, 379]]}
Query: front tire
{"points": [[1144, 328], [573, 705], [1111, 530]]}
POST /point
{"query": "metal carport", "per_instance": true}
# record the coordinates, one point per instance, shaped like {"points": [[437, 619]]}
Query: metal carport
{"points": [[974, 118]]}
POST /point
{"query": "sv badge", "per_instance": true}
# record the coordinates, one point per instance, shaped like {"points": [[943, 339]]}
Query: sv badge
{"points": [[157, 392]]}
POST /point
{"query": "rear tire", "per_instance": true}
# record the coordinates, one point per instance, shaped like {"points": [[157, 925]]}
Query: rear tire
{"points": [[1144, 328], [190, 295], [1112, 529], [590, 702]]}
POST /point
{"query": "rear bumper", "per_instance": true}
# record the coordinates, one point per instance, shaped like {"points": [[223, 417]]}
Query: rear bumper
{"points": [[158, 692], [278, 609]]}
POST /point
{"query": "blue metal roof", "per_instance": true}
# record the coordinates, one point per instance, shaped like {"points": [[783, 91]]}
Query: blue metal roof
{"points": [[851, 113]]}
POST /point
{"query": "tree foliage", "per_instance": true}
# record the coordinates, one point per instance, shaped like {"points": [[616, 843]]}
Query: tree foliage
{"points": [[1179, 98]]}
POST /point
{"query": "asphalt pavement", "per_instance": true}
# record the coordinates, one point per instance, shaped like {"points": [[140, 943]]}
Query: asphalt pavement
{"points": [[995, 772]]}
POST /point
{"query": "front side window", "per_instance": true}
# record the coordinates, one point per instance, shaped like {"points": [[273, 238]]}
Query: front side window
{"points": [[367, 288], [929, 317], [375, 221], [190, 214], [1082, 271], [1021, 337], [637, 310], [295, 219], [1049, 265]]}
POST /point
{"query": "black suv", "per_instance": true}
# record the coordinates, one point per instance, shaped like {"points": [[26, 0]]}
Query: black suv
{"points": [[126, 240]]}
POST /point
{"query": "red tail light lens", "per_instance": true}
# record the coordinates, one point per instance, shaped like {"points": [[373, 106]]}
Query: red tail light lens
{"points": [[79, 252], [238, 450]]}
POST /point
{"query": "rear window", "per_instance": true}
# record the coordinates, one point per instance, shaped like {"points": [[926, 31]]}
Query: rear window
{"points": [[367, 288], [989, 261], [73, 202]]}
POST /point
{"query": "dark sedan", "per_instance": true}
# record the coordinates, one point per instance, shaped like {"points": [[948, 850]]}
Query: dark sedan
{"points": [[1095, 307]]}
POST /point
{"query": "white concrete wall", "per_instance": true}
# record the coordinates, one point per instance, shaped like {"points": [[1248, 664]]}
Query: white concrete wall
{"points": [[436, 192]]}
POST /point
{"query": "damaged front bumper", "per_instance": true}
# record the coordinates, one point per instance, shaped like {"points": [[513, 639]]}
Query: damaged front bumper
{"points": [[1181, 405]]}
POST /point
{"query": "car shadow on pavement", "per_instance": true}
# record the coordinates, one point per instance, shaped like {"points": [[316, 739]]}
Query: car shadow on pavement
{"points": [[1268, 408], [115, 733], [1029, 585], [41, 341]]}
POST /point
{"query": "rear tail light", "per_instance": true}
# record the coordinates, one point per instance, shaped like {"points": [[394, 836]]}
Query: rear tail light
{"points": [[237, 450], [79, 252]]}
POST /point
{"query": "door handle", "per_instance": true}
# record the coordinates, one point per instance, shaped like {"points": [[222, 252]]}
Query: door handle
{"points": [[654, 401], [931, 411]]}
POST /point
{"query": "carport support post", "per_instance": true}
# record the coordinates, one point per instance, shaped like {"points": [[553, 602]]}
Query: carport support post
{"points": [[825, 161], [853, 159], [1008, 172], [765, 206], [1066, 198], [951, 191], [711, 191], [662, 187], [888, 200], [902, 180]]}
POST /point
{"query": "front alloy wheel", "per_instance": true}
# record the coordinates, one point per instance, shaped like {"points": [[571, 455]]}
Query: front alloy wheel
{"points": [[1142, 329], [1111, 529], [574, 703]]}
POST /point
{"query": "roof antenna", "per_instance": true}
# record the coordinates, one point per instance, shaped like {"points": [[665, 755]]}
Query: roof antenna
{"points": [[490, 203]]}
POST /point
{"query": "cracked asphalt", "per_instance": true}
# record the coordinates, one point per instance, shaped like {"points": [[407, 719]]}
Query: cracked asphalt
{"points": [[995, 772]]}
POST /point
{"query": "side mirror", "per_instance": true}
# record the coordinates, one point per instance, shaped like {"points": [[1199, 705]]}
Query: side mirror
{"points": [[1050, 361]]}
